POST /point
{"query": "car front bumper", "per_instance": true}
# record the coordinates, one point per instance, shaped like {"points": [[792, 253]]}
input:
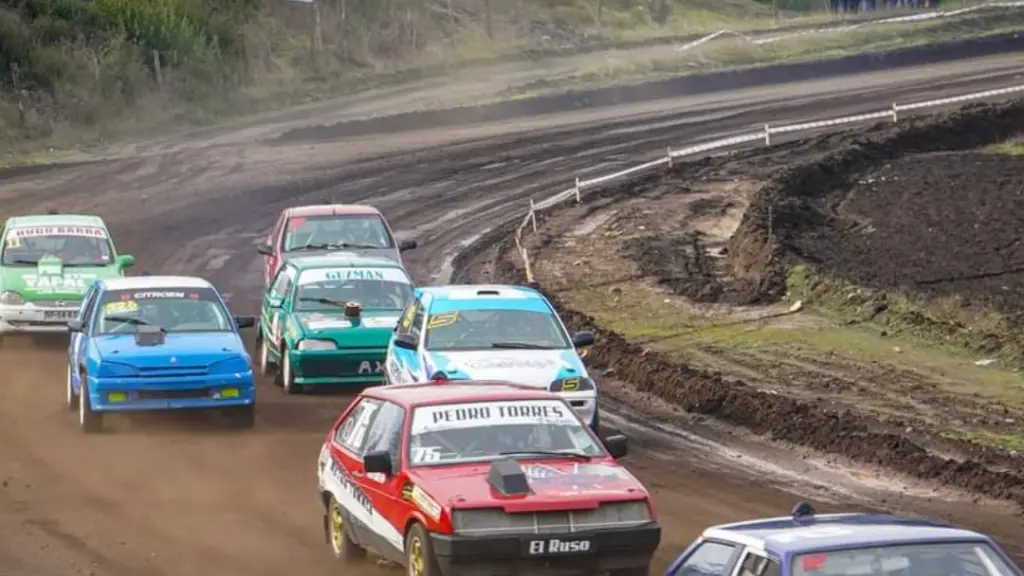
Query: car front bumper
{"points": [[506, 555], [36, 319], [135, 394], [363, 366]]}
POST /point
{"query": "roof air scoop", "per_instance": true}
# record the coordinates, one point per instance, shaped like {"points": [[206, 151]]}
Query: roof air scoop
{"points": [[507, 477], [149, 336]]}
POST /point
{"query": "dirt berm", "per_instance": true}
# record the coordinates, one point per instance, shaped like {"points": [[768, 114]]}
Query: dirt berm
{"points": [[758, 259]]}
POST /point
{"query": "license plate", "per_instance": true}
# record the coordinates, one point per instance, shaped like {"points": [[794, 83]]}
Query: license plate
{"points": [[60, 315], [559, 546]]}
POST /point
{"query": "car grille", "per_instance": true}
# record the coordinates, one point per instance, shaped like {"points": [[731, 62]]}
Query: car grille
{"points": [[174, 394], [497, 521], [171, 371], [336, 367]]}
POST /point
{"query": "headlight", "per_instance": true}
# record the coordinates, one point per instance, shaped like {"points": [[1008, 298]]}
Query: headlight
{"points": [[232, 365], [116, 370], [574, 384], [317, 345], [11, 298]]}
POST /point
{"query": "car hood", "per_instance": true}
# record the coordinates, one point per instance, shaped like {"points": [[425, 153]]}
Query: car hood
{"points": [[537, 368], [389, 253], [192, 349], [51, 280], [372, 328], [554, 485]]}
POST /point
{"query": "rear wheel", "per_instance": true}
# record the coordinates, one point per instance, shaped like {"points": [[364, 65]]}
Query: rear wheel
{"points": [[419, 555], [89, 420], [344, 548]]}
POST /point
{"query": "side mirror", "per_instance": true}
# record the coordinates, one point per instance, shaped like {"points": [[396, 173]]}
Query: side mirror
{"points": [[406, 341], [75, 326], [583, 339], [245, 321], [126, 260], [404, 245], [616, 445], [378, 462], [265, 249]]}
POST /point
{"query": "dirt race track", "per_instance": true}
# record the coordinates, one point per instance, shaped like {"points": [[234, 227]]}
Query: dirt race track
{"points": [[181, 495]]}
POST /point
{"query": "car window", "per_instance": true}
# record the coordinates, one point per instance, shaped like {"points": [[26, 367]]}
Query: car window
{"points": [[756, 565], [482, 431], [283, 283], [405, 323], [386, 431], [337, 231], [175, 309], [275, 234], [709, 559], [416, 330], [372, 288], [352, 433], [944, 559], [88, 303], [64, 245], [486, 329]]}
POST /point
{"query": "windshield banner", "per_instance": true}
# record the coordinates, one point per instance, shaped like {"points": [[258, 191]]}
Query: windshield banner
{"points": [[87, 231], [483, 414], [345, 274]]}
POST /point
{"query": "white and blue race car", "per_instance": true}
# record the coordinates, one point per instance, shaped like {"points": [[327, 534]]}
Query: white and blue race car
{"points": [[491, 332]]}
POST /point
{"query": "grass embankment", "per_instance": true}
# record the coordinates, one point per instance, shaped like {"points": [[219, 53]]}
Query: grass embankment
{"points": [[79, 70]]}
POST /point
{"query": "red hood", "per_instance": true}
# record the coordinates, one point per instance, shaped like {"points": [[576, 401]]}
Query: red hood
{"points": [[555, 485]]}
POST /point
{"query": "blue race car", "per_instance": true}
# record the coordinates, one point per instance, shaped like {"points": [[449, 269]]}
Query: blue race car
{"points": [[842, 545], [485, 332], [157, 343]]}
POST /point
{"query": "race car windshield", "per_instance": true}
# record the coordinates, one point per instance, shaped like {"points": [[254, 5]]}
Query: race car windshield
{"points": [[975, 558], [325, 290], [71, 246], [172, 309], [337, 232], [491, 329], [485, 431]]}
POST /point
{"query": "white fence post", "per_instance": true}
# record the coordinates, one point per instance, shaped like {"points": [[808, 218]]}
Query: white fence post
{"points": [[767, 135], [668, 154], [533, 215], [895, 113], [577, 190]]}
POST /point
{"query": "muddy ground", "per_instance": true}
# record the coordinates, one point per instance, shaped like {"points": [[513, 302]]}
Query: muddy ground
{"points": [[181, 495]]}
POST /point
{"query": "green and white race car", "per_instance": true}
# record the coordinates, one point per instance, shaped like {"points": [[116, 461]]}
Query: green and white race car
{"points": [[47, 264], [328, 319]]}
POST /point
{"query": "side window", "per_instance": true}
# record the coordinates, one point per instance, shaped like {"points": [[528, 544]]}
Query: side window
{"points": [[351, 435], [283, 283], [85, 313], [407, 315], [755, 565], [386, 431], [417, 322], [710, 559]]}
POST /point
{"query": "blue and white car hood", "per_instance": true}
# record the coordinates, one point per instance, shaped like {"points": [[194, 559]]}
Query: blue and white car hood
{"points": [[537, 368]]}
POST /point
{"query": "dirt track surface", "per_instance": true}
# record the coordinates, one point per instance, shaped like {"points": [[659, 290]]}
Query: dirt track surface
{"points": [[180, 495]]}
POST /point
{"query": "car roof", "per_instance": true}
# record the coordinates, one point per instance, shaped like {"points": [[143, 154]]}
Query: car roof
{"points": [[157, 282], [342, 260], [484, 297], [785, 535], [412, 395], [329, 209], [56, 220]]}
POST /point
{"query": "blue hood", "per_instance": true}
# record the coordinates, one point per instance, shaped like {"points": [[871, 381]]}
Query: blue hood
{"points": [[189, 349], [537, 368]]}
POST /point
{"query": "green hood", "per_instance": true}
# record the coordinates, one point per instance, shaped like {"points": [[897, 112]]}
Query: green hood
{"points": [[372, 329], [51, 280]]}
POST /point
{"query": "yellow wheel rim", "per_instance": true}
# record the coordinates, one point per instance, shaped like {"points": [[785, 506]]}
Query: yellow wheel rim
{"points": [[337, 527], [415, 557]]}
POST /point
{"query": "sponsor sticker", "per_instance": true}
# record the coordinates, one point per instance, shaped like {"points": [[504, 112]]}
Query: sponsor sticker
{"points": [[482, 414], [69, 282], [548, 546], [441, 320], [426, 503], [345, 274], [37, 231], [122, 307]]}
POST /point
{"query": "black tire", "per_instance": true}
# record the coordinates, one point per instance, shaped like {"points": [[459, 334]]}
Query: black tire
{"points": [[243, 417], [285, 377], [89, 421], [343, 546], [418, 541]]}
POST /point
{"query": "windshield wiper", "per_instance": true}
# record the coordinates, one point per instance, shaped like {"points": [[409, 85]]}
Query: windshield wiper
{"points": [[327, 301], [357, 246], [23, 261], [552, 453], [132, 321], [310, 247], [524, 345]]}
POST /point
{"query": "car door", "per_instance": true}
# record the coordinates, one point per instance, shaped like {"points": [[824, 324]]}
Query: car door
{"points": [[707, 558], [79, 339], [385, 491], [350, 438], [406, 366], [273, 314]]}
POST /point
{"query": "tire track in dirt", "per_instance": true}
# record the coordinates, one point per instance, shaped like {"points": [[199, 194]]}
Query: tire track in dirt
{"points": [[177, 494]]}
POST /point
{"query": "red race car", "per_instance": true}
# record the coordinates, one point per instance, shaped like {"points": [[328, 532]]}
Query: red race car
{"points": [[326, 228], [481, 478]]}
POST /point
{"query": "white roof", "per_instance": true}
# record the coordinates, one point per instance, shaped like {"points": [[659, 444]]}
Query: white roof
{"points": [[146, 282]]}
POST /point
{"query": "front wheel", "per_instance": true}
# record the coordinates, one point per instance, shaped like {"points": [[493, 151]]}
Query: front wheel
{"points": [[266, 364], [343, 546], [72, 398], [419, 554], [89, 420], [286, 376]]}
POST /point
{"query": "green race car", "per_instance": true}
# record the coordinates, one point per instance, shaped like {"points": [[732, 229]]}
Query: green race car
{"points": [[328, 319], [47, 264]]}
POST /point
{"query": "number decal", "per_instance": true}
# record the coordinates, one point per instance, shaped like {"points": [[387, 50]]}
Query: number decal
{"points": [[422, 454]]}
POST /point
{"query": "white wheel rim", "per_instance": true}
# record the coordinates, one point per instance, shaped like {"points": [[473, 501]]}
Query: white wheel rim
{"points": [[264, 361], [81, 406], [70, 391], [286, 371]]}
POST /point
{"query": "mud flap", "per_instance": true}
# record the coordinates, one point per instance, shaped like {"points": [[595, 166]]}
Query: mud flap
{"points": [[327, 529]]}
